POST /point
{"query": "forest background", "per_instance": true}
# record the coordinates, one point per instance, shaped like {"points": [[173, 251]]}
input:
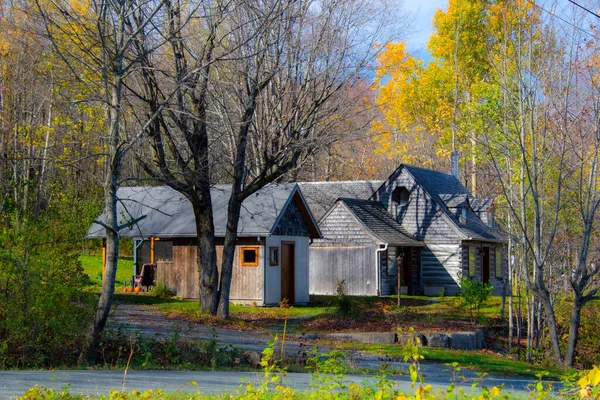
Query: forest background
{"points": [[99, 94]]}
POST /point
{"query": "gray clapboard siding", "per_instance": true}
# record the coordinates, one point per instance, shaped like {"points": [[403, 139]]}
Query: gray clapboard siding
{"points": [[440, 265]]}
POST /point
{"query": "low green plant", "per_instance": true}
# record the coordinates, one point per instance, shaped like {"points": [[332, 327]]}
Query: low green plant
{"points": [[327, 373], [344, 304], [474, 295], [162, 290]]}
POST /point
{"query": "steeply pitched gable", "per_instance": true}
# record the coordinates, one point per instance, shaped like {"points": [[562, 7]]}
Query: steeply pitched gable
{"points": [[444, 196]]}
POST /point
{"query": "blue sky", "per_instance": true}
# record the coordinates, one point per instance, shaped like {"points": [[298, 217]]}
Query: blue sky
{"points": [[423, 11]]}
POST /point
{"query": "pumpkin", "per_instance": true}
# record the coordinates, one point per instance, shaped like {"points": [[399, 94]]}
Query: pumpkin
{"points": [[137, 289]]}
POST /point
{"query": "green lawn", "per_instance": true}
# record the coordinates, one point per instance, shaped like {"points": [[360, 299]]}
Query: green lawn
{"points": [[92, 266]]}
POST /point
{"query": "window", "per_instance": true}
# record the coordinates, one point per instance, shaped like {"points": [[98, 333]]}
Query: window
{"points": [[391, 262], [472, 261], [273, 256], [249, 256], [400, 196], [499, 263]]}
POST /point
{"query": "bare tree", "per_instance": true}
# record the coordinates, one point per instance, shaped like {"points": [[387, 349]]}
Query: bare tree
{"points": [[260, 86]]}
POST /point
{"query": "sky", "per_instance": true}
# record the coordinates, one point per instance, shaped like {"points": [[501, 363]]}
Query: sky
{"points": [[423, 11]]}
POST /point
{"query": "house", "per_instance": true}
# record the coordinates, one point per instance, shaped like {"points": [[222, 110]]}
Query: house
{"points": [[440, 231], [457, 229], [272, 251]]}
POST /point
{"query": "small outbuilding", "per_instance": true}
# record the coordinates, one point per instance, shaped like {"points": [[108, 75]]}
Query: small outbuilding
{"points": [[272, 251]]}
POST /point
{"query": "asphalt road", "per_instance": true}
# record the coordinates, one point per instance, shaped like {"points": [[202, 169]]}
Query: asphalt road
{"points": [[15, 383]]}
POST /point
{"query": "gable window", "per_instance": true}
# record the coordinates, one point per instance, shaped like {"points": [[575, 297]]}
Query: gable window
{"points": [[400, 196], [472, 261], [499, 263], [249, 256]]}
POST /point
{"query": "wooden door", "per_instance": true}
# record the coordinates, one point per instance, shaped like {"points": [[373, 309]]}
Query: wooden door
{"points": [[288, 271], [485, 265]]}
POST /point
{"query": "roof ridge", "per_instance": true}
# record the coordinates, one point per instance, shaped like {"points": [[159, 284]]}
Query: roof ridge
{"points": [[428, 169], [330, 182]]}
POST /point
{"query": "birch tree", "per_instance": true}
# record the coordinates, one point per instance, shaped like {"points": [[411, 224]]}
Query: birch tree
{"points": [[94, 41]]}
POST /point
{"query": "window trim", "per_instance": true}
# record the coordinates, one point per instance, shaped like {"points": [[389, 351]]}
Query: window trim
{"points": [[249, 248]]}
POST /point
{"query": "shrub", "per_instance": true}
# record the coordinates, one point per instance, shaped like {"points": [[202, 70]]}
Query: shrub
{"points": [[162, 290], [45, 311], [343, 303], [474, 294]]}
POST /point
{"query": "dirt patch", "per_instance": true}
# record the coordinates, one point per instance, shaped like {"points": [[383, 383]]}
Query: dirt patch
{"points": [[244, 322], [338, 324], [335, 323]]}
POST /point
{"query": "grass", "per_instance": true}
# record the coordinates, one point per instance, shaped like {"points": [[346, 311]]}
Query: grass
{"points": [[241, 317], [92, 266], [481, 361]]}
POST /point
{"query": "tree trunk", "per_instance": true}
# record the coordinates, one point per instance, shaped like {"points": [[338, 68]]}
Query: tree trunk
{"points": [[544, 297], [113, 172], [575, 322], [233, 216], [112, 236], [207, 255]]}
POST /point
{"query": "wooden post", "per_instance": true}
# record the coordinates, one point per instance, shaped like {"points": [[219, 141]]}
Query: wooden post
{"points": [[103, 257], [399, 250], [152, 250]]}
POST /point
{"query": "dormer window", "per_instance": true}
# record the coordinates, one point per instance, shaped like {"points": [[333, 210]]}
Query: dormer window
{"points": [[400, 196]]}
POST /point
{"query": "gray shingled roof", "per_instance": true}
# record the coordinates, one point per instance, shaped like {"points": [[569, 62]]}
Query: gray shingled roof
{"points": [[379, 222], [442, 185], [481, 205], [320, 196], [170, 214], [455, 200]]}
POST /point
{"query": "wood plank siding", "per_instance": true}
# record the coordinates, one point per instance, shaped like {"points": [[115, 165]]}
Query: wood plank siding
{"points": [[356, 265], [348, 253], [181, 274], [440, 265]]}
